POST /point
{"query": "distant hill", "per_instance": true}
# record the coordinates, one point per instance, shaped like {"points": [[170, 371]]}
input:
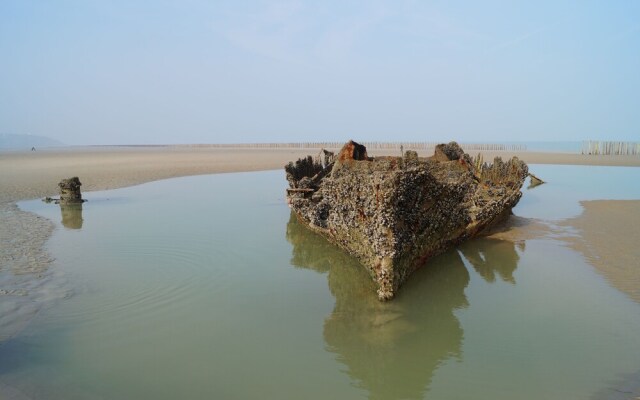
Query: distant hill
{"points": [[25, 142]]}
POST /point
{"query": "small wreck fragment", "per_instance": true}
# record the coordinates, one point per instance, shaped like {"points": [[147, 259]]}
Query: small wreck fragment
{"points": [[69, 192], [394, 213], [534, 181]]}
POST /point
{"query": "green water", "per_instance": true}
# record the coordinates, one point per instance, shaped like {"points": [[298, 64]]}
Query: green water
{"points": [[207, 288]]}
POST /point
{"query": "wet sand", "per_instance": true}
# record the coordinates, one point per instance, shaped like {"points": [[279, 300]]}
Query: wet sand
{"points": [[609, 237], [28, 175], [607, 233]]}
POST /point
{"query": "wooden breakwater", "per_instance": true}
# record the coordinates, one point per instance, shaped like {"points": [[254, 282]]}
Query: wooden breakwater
{"points": [[370, 145], [594, 147]]}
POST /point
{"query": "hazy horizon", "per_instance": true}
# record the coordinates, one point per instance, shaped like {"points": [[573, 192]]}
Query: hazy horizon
{"points": [[296, 71], [26, 141]]}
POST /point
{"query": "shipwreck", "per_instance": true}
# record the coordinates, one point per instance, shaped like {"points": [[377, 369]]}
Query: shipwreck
{"points": [[394, 213]]}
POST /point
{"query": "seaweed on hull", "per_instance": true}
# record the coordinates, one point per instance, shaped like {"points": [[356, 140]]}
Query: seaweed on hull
{"points": [[394, 213]]}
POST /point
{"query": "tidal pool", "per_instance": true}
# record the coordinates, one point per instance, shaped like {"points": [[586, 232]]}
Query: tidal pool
{"points": [[206, 287]]}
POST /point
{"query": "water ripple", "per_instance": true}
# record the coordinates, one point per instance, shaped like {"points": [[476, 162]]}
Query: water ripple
{"points": [[169, 275]]}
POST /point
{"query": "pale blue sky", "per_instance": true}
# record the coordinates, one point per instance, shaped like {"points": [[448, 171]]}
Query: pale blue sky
{"points": [[127, 72]]}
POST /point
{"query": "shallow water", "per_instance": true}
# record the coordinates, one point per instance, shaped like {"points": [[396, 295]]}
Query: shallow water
{"points": [[206, 287], [567, 185]]}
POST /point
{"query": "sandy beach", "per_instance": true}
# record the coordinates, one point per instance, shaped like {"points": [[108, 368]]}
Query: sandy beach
{"points": [[28, 175]]}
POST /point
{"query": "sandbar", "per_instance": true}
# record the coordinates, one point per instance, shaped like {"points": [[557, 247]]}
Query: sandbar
{"points": [[610, 240]]}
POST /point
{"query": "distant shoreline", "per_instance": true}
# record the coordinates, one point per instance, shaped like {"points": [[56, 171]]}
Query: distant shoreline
{"points": [[31, 174], [565, 147]]}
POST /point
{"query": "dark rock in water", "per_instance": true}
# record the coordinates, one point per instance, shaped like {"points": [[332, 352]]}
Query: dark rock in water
{"points": [[394, 213], [70, 191]]}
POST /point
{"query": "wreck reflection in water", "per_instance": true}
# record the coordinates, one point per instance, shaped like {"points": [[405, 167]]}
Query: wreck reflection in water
{"points": [[393, 349], [491, 257], [71, 215]]}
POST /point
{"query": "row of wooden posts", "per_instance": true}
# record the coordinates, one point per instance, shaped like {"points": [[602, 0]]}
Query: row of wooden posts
{"points": [[592, 147], [375, 145], [589, 147]]}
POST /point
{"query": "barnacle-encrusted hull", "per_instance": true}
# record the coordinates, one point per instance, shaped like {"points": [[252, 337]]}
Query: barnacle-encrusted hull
{"points": [[394, 213]]}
